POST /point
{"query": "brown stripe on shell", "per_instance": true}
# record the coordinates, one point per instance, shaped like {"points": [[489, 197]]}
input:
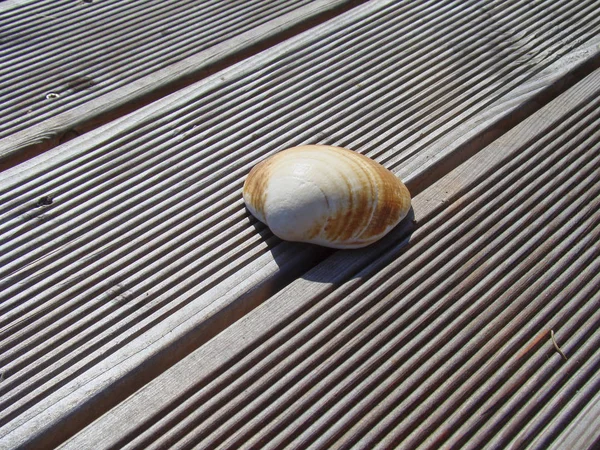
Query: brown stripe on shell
{"points": [[372, 190], [339, 213], [383, 201], [349, 223], [393, 204], [255, 186]]}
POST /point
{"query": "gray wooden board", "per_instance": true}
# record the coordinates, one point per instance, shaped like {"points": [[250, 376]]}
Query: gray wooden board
{"points": [[126, 248], [65, 63], [437, 336], [582, 432]]}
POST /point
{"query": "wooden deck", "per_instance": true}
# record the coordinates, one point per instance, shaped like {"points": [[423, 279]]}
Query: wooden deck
{"points": [[142, 306]]}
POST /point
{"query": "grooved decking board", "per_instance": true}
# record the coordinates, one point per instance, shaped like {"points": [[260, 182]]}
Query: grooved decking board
{"points": [[582, 432], [66, 62], [438, 337], [126, 248]]}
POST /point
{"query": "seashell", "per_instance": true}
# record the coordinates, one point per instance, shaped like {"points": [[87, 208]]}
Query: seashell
{"points": [[326, 195]]}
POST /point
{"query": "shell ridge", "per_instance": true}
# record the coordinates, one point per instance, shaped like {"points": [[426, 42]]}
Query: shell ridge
{"points": [[324, 196], [367, 169], [334, 172], [314, 155], [349, 159], [302, 180]]}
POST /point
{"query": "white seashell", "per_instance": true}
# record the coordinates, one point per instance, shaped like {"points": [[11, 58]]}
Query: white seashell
{"points": [[326, 195]]}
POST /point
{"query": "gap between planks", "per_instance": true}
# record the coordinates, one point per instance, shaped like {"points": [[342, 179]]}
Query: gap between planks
{"points": [[117, 104], [170, 391], [417, 184]]}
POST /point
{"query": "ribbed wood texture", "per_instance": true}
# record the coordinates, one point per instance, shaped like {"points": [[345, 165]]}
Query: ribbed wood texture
{"points": [[63, 63], [119, 247], [440, 337]]}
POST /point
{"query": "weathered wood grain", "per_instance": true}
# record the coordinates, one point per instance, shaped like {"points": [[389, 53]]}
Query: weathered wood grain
{"points": [[439, 335], [141, 249], [582, 431], [103, 58]]}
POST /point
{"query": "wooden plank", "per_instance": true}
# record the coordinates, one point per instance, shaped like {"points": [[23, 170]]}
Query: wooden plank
{"points": [[145, 250], [69, 66], [439, 335], [582, 431]]}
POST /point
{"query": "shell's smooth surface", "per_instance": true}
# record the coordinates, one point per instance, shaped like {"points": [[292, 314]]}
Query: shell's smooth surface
{"points": [[326, 195]]}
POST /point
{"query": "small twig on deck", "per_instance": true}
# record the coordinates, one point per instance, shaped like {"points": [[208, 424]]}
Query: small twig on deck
{"points": [[556, 345]]}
